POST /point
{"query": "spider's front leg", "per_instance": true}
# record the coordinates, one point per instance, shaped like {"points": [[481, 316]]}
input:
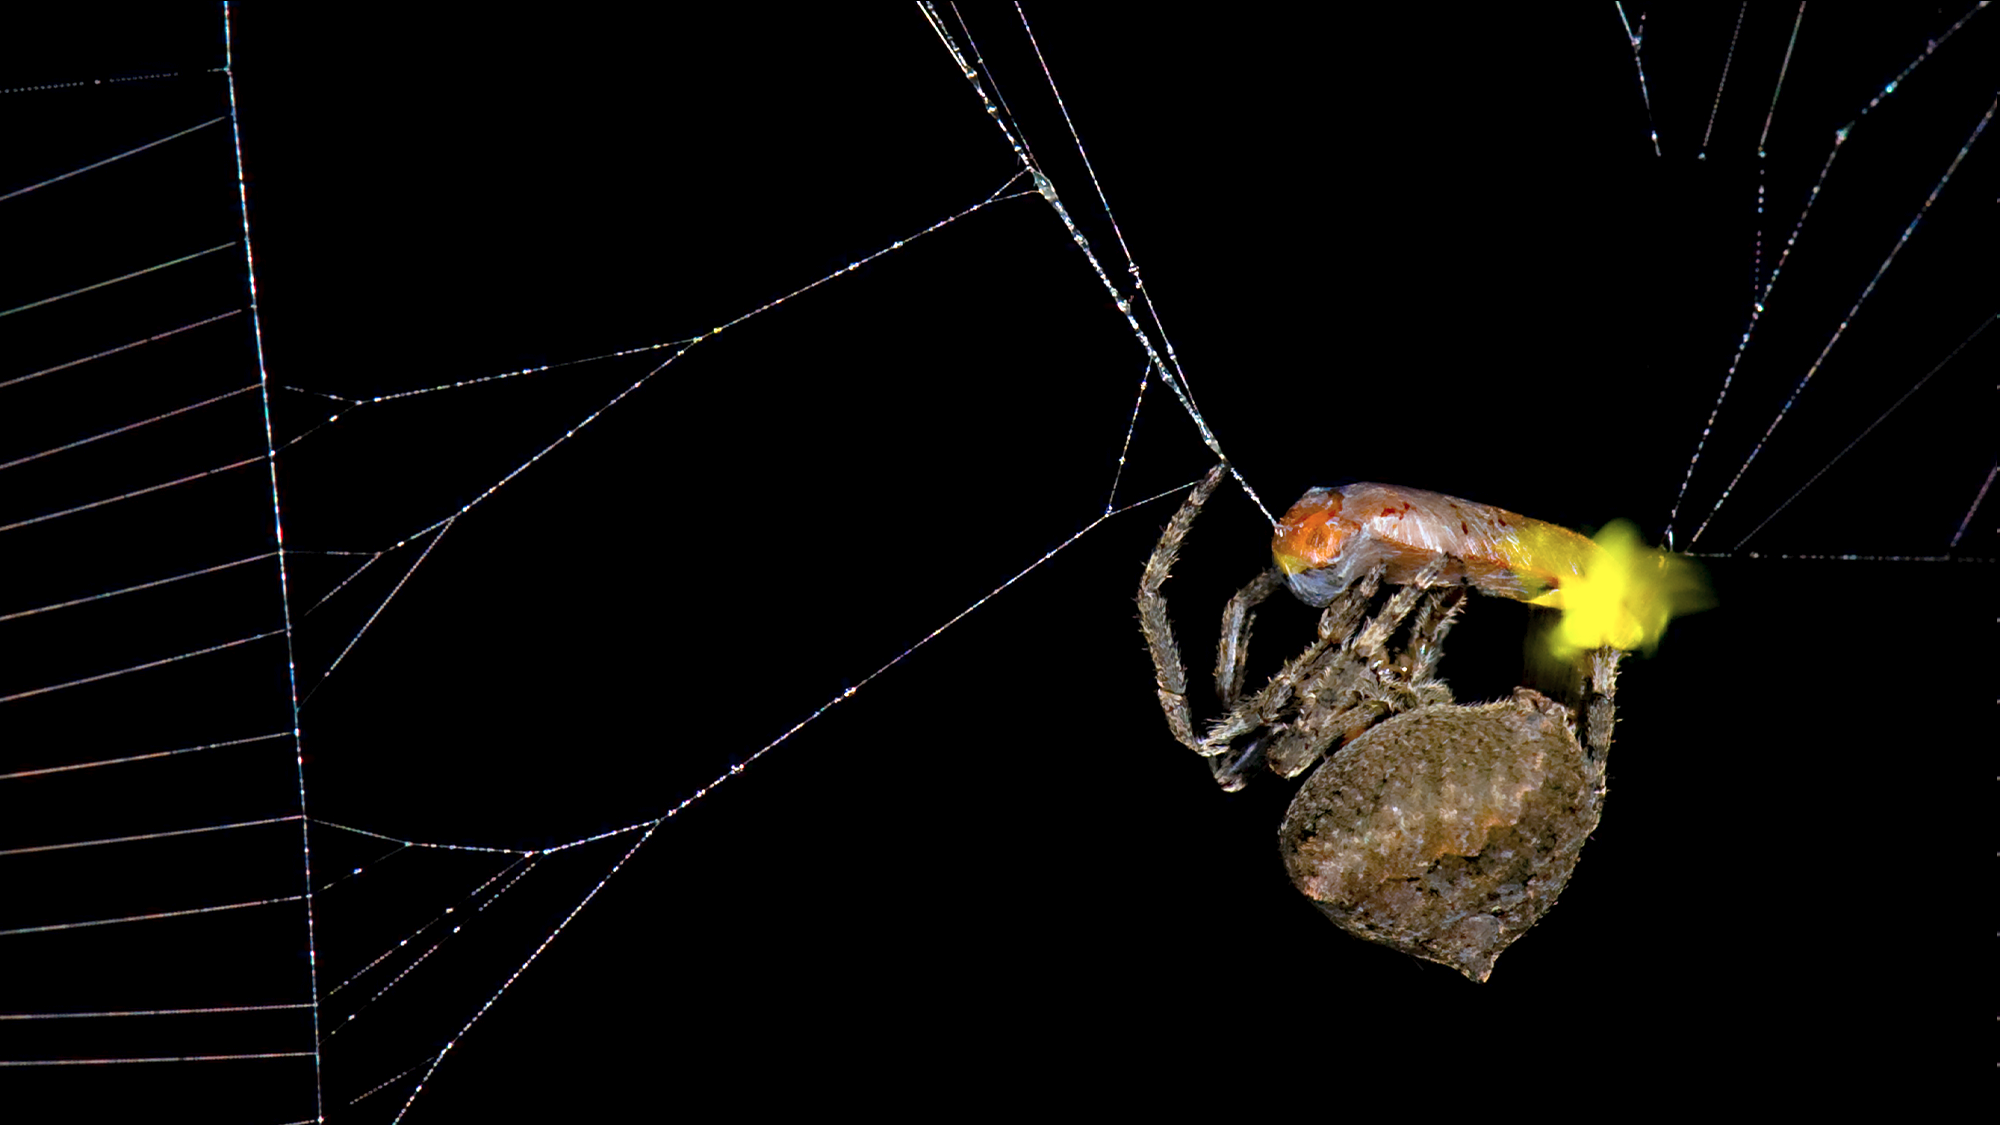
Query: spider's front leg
{"points": [[1260, 711], [1169, 675], [1232, 652]]}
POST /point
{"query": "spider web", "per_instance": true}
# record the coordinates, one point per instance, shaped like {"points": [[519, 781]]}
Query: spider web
{"points": [[1449, 259]]}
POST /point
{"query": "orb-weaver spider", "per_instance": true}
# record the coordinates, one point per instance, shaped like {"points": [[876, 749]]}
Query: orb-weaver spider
{"points": [[1439, 829]]}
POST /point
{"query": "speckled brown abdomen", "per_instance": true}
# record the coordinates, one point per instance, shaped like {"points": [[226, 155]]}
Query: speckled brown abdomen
{"points": [[1446, 832]]}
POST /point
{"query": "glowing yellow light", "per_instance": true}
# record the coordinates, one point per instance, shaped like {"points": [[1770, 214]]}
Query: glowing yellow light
{"points": [[1626, 595]]}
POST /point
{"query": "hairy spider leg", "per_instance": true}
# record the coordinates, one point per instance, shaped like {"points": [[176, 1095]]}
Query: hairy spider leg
{"points": [[1362, 671], [1342, 683], [1169, 675], [1337, 624]]}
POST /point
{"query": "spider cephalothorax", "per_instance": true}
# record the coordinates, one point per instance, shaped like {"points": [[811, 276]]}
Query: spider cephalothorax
{"points": [[1442, 830]]}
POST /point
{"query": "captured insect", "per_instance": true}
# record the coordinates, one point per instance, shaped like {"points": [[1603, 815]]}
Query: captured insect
{"points": [[1442, 830]]}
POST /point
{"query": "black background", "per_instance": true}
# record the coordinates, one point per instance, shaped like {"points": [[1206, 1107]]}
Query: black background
{"points": [[1437, 251]]}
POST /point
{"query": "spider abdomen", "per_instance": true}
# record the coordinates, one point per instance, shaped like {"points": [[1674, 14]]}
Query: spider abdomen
{"points": [[1446, 832]]}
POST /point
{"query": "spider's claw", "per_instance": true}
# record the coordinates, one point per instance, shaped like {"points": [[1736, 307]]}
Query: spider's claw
{"points": [[1233, 773]]}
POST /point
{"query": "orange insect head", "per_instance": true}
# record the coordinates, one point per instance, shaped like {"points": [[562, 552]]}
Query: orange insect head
{"points": [[1311, 534]]}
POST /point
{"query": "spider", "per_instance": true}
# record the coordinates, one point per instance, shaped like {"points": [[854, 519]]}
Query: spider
{"points": [[1439, 829]]}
